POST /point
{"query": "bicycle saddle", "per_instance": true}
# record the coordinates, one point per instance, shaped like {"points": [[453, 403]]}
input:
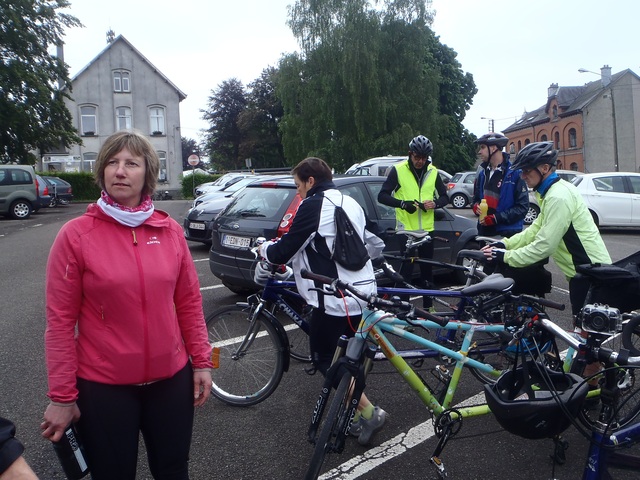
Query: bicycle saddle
{"points": [[473, 255], [413, 233], [493, 283]]}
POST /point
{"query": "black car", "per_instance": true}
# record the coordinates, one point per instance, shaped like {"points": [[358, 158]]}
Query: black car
{"points": [[60, 190], [266, 209]]}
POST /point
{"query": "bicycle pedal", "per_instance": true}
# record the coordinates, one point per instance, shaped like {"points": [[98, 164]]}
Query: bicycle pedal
{"points": [[310, 370]]}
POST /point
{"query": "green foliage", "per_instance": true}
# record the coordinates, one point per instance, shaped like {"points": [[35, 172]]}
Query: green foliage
{"points": [[223, 137], [370, 79], [83, 185], [189, 182], [32, 111]]}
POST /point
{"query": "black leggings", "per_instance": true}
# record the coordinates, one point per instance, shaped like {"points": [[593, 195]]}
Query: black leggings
{"points": [[113, 415], [324, 334]]}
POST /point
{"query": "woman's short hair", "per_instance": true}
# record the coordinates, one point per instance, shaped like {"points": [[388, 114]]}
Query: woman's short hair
{"points": [[313, 167], [137, 144]]}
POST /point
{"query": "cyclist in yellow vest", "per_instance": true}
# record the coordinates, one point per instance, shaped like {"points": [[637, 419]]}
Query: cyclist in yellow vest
{"points": [[414, 188]]}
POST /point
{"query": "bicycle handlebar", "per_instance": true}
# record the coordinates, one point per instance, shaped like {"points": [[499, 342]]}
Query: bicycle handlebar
{"points": [[602, 354], [373, 300]]}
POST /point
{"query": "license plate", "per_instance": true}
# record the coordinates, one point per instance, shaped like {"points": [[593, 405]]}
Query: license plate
{"points": [[196, 226], [233, 241]]}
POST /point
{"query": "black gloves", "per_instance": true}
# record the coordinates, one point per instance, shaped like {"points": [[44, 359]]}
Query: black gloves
{"points": [[498, 244], [408, 206], [498, 254]]}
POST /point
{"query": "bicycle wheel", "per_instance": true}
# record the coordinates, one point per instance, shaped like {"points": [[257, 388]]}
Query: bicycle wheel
{"points": [[489, 348], [333, 424], [631, 336], [248, 359]]}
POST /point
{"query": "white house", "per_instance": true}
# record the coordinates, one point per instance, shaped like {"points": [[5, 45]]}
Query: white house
{"points": [[121, 89]]}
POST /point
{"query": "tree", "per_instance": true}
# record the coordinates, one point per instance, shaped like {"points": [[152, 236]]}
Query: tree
{"points": [[369, 77], [32, 111], [189, 147], [224, 136], [259, 123]]}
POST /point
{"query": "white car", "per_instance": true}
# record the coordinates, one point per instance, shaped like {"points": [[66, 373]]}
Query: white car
{"points": [[613, 198]]}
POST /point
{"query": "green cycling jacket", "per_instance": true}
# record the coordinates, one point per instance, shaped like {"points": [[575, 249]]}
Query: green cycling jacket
{"points": [[564, 230]]}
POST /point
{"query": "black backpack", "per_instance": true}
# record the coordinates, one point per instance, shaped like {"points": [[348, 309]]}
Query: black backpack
{"points": [[349, 250]]}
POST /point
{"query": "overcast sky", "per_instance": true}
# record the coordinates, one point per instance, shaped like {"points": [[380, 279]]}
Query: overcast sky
{"points": [[515, 49]]}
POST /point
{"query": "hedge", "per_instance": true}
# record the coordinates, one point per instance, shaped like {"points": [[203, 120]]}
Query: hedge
{"points": [[86, 190]]}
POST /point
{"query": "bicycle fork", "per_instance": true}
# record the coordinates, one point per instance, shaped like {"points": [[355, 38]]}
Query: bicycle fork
{"points": [[347, 357]]}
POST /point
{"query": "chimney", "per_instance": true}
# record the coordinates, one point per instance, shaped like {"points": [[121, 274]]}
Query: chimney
{"points": [[605, 73], [552, 90]]}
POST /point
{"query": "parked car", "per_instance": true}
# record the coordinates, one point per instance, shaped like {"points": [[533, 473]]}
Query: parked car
{"points": [[18, 191], [44, 197], [266, 209], [60, 190], [568, 175], [222, 182], [197, 223], [613, 198], [225, 191], [380, 166], [460, 189]]}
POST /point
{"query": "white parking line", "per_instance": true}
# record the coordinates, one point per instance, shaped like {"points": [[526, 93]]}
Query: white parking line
{"points": [[389, 450]]}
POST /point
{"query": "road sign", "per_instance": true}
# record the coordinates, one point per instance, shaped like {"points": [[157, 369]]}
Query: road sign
{"points": [[193, 160]]}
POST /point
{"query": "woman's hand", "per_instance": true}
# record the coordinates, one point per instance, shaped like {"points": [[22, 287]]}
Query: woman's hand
{"points": [[57, 418], [201, 387]]}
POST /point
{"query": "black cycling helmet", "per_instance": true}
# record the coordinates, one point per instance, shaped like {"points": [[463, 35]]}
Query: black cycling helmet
{"points": [[421, 146], [492, 138], [526, 405], [535, 154]]}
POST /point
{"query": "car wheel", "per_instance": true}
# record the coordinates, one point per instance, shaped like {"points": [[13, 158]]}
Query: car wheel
{"points": [[459, 201], [532, 214], [240, 290], [458, 275], [20, 210]]}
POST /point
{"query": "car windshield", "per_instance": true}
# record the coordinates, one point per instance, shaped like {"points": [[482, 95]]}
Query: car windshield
{"points": [[260, 201]]}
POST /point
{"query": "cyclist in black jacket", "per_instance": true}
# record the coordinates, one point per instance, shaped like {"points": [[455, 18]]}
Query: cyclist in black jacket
{"points": [[307, 244]]}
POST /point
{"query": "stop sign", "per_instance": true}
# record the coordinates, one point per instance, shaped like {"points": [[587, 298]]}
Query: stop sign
{"points": [[193, 160]]}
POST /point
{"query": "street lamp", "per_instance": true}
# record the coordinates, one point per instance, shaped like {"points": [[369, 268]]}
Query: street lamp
{"points": [[616, 167], [491, 123]]}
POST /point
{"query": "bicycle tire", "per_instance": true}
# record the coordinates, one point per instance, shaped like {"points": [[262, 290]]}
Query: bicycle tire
{"points": [[489, 349], [631, 336], [333, 423], [627, 403], [252, 376]]}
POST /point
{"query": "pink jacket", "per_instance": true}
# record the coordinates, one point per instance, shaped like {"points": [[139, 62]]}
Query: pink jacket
{"points": [[123, 304]]}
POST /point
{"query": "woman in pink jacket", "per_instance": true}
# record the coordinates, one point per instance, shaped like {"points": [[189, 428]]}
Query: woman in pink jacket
{"points": [[126, 342]]}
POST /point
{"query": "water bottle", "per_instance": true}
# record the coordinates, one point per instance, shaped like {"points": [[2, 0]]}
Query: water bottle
{"points": [[483, 209], [71, 454]]}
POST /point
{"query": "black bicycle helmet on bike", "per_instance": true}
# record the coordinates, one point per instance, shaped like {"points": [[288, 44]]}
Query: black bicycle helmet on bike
{"points": [[421, 146], [533, 401], [493, 138], [535, 154]]}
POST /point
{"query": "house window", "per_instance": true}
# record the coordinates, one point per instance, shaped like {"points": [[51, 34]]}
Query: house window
{"points": [[156, 121], [527, 141], [121, 81], [572, 138], [512, 148], [162, 173], [89, 161], [574, 167], [555, 112], [519, 145], [556, 140], [88, 120], [543, 138], [123, 118]]}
